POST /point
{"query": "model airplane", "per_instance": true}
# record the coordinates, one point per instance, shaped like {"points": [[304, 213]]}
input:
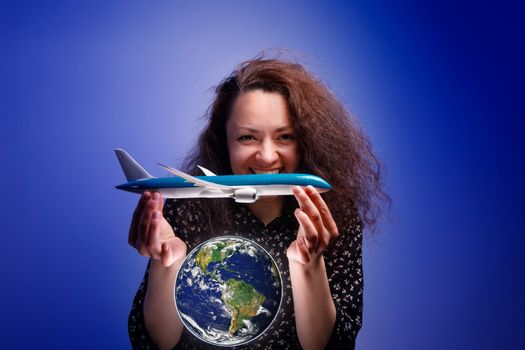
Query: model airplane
{"points": [[242, 188]]}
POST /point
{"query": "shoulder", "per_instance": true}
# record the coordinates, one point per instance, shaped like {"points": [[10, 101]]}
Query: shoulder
{"points": [[350, 228], [349, 221]]}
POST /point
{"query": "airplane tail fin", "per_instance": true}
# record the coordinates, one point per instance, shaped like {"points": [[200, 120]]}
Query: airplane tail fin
{"points": [[131, 168]]}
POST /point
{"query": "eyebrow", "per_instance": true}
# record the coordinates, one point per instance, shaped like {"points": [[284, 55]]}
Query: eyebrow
{"points": [[282, 128]]}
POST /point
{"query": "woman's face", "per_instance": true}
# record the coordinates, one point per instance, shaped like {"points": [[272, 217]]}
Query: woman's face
{"points": [[260, 136]]}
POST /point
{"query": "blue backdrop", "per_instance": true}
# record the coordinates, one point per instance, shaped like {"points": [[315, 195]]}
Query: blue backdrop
{"points": [[437, 86]]}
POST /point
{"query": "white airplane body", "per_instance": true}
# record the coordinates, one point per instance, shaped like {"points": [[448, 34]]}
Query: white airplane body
{"points": [[242, 188]]}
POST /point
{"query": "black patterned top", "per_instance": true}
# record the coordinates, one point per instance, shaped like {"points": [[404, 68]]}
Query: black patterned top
{"points": [[342, 260]]}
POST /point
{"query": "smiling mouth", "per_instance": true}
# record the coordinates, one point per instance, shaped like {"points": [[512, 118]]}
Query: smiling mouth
{"points": [[266, 171]]}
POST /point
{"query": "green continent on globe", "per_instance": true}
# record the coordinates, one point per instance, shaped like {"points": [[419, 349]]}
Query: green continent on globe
{"points": [[211, 254], [243, 300]]}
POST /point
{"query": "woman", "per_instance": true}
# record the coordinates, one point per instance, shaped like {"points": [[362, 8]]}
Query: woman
{"points": [[270, 116]]}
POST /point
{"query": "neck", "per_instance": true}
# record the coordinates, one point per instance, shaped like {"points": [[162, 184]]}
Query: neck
{"points": [[267, 209]]}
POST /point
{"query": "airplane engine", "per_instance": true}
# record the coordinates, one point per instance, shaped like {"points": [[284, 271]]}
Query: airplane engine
{"points": [[246, 195]]}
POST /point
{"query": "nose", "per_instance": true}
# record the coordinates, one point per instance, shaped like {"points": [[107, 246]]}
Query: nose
{"points": [[267, 153]]}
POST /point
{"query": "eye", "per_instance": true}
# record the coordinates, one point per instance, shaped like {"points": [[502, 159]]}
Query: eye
{"points": [[287, 137], [245, 138]]}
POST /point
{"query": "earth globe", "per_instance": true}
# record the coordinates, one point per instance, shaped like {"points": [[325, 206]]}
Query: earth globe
{"points": [[228, 291]]}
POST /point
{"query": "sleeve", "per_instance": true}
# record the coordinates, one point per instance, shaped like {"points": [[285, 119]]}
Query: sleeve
{"points": [[345, 275], [138, 334], [183, 218]]}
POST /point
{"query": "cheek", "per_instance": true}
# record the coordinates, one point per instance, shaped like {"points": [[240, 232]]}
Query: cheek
{"points": [[238, 156], [293, 155]]}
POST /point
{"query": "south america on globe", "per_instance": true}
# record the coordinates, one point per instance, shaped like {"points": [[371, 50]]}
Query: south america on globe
{"points": [[228, 291]]}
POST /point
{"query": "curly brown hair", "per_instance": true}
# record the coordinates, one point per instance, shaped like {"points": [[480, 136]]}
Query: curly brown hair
{"points": [[331, 142]]}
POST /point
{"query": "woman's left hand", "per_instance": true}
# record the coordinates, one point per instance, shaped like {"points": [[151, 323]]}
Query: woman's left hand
{"points": [[317, 228]]}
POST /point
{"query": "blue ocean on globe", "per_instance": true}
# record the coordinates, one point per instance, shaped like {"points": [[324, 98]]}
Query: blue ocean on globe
{"points": [[228, 291]]}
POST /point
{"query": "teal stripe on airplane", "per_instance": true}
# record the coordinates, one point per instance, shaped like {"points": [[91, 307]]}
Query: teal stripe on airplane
{"points": [[233, 180]]}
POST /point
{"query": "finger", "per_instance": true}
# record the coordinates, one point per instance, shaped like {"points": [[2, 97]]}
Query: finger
{"points": [[145, 221], [309, 230], [135, 221], [309, 208], [330, 230], [324, 211], [157, 197], [153, 243]]}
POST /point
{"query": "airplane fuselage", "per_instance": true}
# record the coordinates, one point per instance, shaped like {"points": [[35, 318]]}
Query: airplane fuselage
{"points": [[242, 188], [262, 184]]}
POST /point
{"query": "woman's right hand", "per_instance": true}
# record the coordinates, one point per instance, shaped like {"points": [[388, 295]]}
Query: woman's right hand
{"points": [[151, 234]]}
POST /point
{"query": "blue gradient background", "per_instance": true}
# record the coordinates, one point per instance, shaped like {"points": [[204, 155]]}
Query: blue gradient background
{"points": [[437, 85]]}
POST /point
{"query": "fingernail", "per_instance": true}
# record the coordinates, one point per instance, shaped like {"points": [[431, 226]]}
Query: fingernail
{"points": [[156, 196]]}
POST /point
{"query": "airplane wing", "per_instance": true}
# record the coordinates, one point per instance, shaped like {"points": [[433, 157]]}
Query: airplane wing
{"points": [[195, 180], [206, 171]]}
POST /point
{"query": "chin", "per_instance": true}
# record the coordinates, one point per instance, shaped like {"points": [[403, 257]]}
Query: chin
{"points": [[268, 199]]}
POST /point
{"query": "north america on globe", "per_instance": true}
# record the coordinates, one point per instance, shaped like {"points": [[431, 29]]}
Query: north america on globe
{"points": [[228, 291]]}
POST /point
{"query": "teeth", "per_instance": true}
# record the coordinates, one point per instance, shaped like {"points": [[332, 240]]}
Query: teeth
{"points": [[274, 171]]}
